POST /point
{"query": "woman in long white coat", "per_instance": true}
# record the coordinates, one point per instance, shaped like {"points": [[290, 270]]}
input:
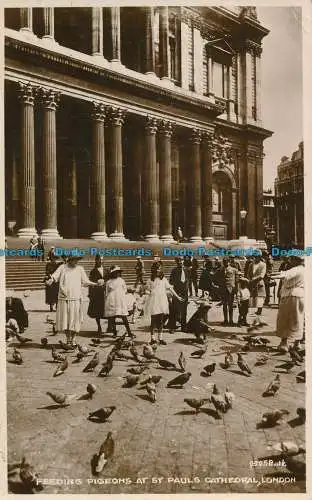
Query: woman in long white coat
{"points": [[158, 289], [116, 304]]}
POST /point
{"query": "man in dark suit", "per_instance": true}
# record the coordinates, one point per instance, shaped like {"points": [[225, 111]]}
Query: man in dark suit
{"points": [[227, 279], [179, 279], [14, 309]]}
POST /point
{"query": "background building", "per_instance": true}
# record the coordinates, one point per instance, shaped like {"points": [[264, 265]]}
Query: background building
{"points": [[269, 217], [289, 195], [132, 121]]}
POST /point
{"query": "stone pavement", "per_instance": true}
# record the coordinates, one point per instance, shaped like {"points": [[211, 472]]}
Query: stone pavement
{"points": [[161, 440]]}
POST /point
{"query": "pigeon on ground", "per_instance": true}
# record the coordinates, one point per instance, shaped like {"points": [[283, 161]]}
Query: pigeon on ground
{"points": [[133, 350], [298, 349], [61, 368], [67, 347], [199, 352], [182, 362], [60, 399], [102, 414], [196, 403], [218, 401], [106, 367], [17, 357], [261, 360], [105, 453], [273, 418], [84, 349], [44, 341], [229, 398], [209, 369], [92, 363], [180, 380], [242, 364], [91, 389], [96, 341], [295, 356], [164, 363], [273, 387], [301, 412], [148, 352], [228, 360], [137, 370], [131, 380], [22, 340], [29, 477], [58, 357], [301, 376], [287, 366], [151, 391], [155, 379]]}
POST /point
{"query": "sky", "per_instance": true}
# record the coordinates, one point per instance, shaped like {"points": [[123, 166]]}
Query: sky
{"points": [[281, 75]]}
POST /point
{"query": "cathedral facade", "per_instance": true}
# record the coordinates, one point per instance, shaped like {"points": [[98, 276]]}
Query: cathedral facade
{"points": [[128, 122]]}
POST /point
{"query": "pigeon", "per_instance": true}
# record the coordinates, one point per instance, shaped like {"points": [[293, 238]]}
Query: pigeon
{"points": [[60, 399], [148, 352], [96, 341], [133, 350], [44, 341], [151, 391], [218, 401], [182, 362], [22, 340], [131, 380], [242, 364], [261, 360], [136, 370], [264, 340], [29, 477], [17, 357], [228, 360], [120, 355], [288, 365], [92, 363], [57, 356], [298, 349], [180, 380], [67, 347], [196, 403], [199, 352], [102, 414], [105, 453], [91, 389], [229, 398], [106, 367], [155, 379], [272, 418], [296, 465], [164, 363], [301, 377], [273, 387], [61, 368], [84, 349], [209, 369], [301, 412], [288, 447], [295, 356]]}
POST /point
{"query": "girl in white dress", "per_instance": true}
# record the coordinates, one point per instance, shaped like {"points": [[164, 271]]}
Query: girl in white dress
{"points": [[69, 314], [157, 306], [116, 304]]}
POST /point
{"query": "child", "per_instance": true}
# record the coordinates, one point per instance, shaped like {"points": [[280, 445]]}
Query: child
{"points": [[131, 303], [243, 296]]}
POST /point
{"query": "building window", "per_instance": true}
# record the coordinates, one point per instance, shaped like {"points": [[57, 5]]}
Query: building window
{"points": [[172, 62], [217, 199], [190, 61], [219, 79]]}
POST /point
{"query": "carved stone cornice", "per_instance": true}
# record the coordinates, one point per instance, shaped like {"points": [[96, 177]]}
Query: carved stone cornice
{"points": [[49, 98], [27, 93], [99, 111]]}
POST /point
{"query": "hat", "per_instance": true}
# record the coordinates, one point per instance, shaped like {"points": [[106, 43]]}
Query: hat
{"points": [[114, 269], [73, 257], [139, 257]]}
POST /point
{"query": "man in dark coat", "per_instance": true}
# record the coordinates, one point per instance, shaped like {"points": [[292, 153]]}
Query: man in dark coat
{"points": [[179, 279], [227, 277], [14, 308]]}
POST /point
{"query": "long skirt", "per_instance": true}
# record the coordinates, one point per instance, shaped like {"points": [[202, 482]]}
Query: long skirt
{"points": [[290, 317], [69, 315]]}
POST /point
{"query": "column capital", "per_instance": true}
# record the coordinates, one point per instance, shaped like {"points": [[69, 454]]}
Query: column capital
{"points": [[116, 116], [196, 136], [27, 93], [49, 98], [99, 111], [151, 125], [165, 128], [208, 138]]}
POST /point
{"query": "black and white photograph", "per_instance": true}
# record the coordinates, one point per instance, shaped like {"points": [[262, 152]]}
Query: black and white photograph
{"points": [[154, 248]]}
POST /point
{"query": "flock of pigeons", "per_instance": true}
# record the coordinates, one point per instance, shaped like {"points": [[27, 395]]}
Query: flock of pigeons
{"points": [[138, 375]]}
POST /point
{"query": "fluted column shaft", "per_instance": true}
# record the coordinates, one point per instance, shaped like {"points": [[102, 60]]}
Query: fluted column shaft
{"points": [[151, 213], [49, 101], [207, 187], [48, 23], [97, 31], [164, 42], [165, 196], [194, 191], [26, 19], [115, 173], [98, 172], [28, 211], [149, 41], [115, 27]]}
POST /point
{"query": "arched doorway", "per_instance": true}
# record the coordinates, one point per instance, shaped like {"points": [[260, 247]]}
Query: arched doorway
{"points": [[222, 206]]}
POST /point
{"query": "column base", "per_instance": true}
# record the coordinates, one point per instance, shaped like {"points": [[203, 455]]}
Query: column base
{"points": [[50, 234], [117, 236], [195, 239], [167, 238], [99, 236], [27, 232], [151, 237]]}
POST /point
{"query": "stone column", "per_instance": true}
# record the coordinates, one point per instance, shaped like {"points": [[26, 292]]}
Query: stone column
{"points": [[28, 211], [115, 173], [234, 214], [149, 41], [26, 19], [115, 29], [15, 187], [165, 196], [258, 52], [149, 188], [97, 31], [231, 102], [259, 198], [210, 74], [73, 214], [98, 173], [246, 68], [198, 58], [194, 188], [207, 187], [50, 101], [164, 54], [251, 196], [48, 23], [184, 55]]}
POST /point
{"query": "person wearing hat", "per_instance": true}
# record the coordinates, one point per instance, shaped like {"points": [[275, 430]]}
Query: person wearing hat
{"points": [[198, 322], [69, 314], [139, 271], [15, 310], [243, 297], [157, 263], [290, 316], [116, 304], [97, 294], [51, 292], [179, 279], [256, 275]]}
